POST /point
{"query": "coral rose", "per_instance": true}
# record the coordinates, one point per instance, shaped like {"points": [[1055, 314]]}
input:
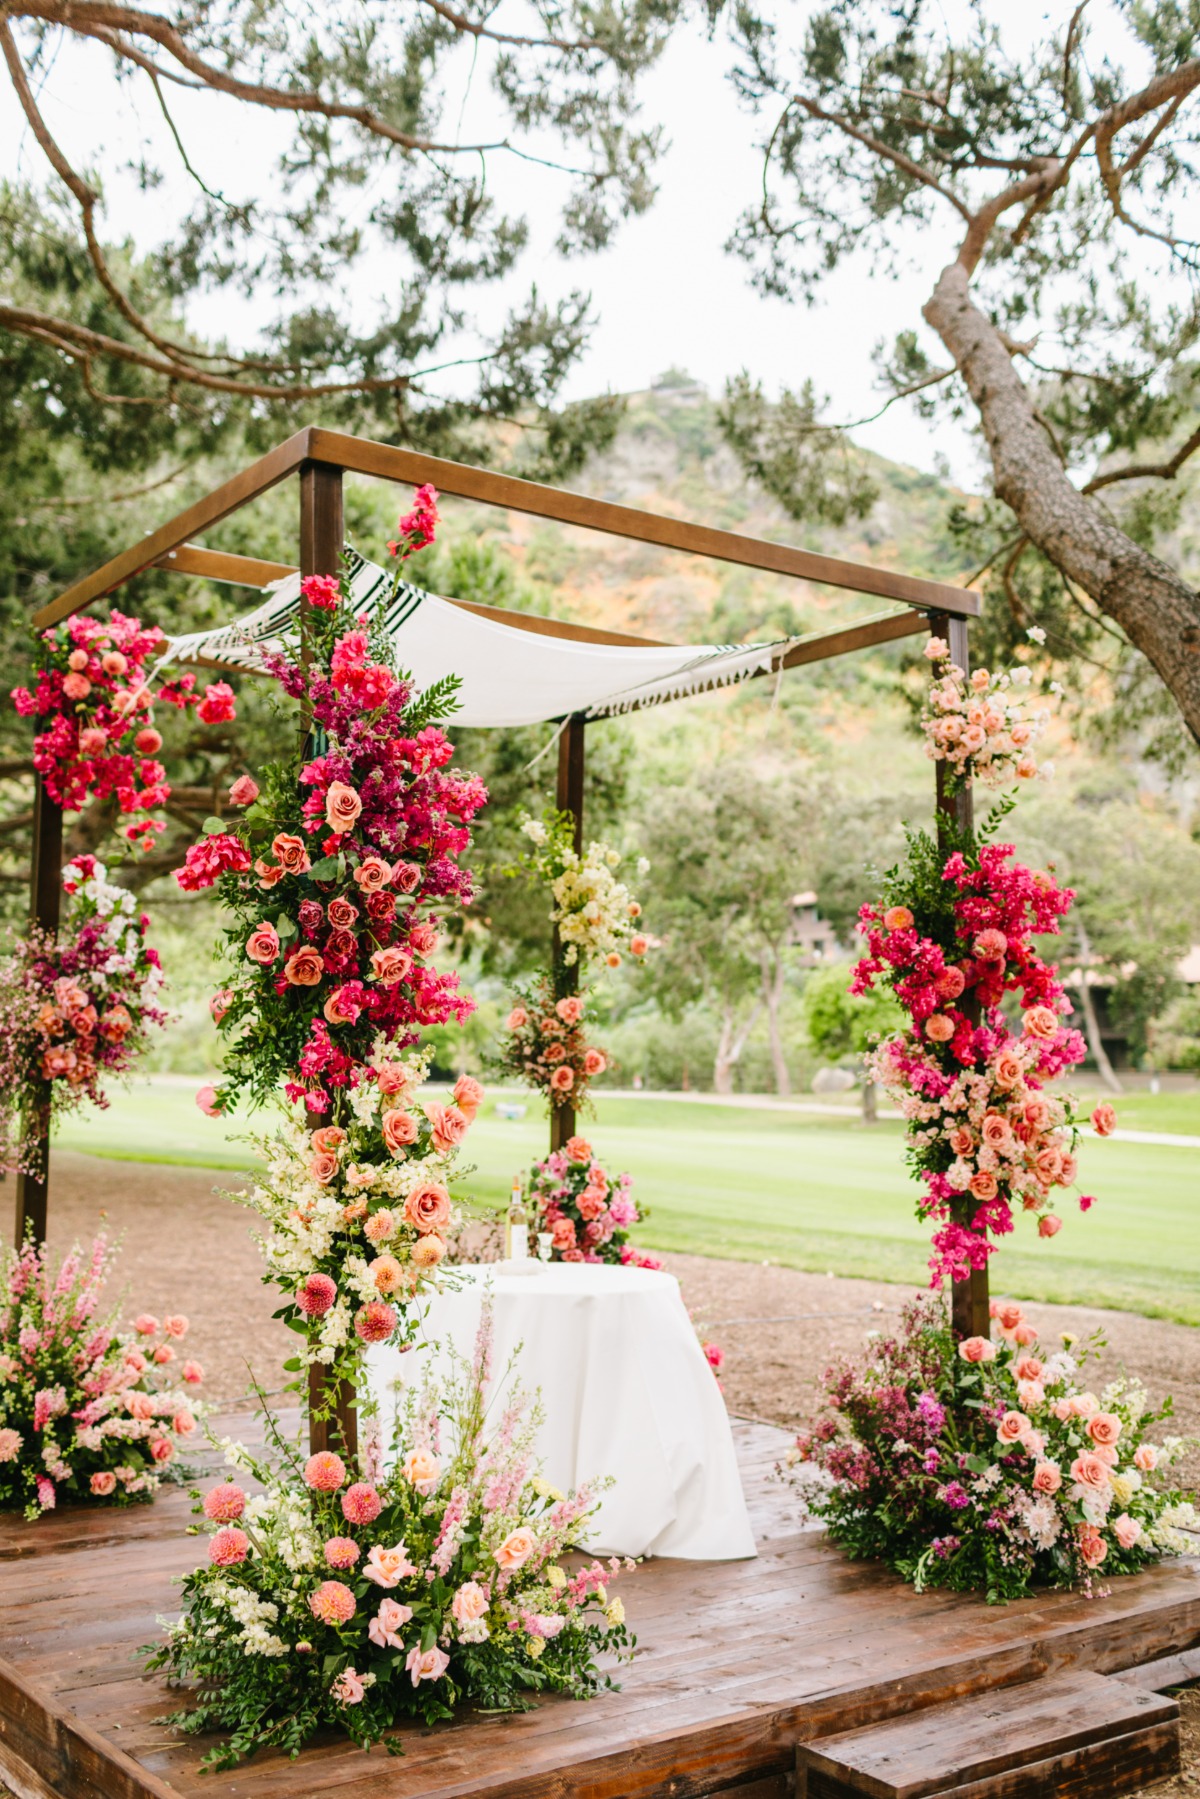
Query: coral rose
{"points": [[304, 967], [468, 1096], [1012, 1427], [393, 1078], [342, 913], [406, 876], [638, 945], [1049, 1225], [103, 1483], [323, 1166], [427, 1207], [517, 1019], [1091, 1471], [328, 1137], [983, 1185], [262, 945], [449, 1126], [1041, 1023], [290, 853], [1104, 1120], [562, 1080], [388, 966], [977, 1349], [1047, 1477], [1104, 1428], [594, 1062], [570, 1009], [342, 807], [399, 1129], [1007, 1070], [578, 1149], [228, 1546], [1092, 1546], [206, 1099], [372, 873]]}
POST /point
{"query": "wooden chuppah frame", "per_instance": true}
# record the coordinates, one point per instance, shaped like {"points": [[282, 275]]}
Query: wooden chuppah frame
{"points": [[320, 459]]}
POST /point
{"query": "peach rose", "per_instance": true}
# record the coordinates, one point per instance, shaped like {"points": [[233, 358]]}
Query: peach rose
{"points": [[1127, 1531], [1012, 1427], [1047, 1165], [1092, 1546], [342, 807], [570, 1009], [262, 945], [290, 853], [1145, 1457], [1091, 1471], [517, 1019], [422, 1470], [1041, 1023], [269, 874], [388, 1567], [897, 918], [977, 1349], [1104, 1428], [468, 1096], [562, 1080], [323, 1166], [449, 1126], [1029, 1368], [594, 1062], [390, 965], [1084, 1405], [939, 1028], [562, 1233], [1047, 1477], [399, 1130], [372, 873], [304, 967], [1104, 1120], [469, 1604], [1007, 1070], [393, 1078], [1049, 1225], [578, 1149], [427, 1207], [983, 1186], [328, 1137], [516, 1549], [1031, 1394], [994, 1130], [1025, 1334]]}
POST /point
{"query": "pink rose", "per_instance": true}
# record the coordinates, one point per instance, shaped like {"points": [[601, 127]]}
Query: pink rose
{"points": [[427, 1207], [578, 1149], [562, 1234], [1029, 1368], [219, 1004], [1145, 1457], [342, 807], [342, 1006], [217, 707], [206, 1099], [469, 1605], [262, 945], [244, 791], [387, 1623], [103, 1483], [348, 1688], [1104, 1120], [426, 1664], [516, 1549], [1104, 1428], [1127, 1531], [422, 1470], [1091, 1471], [161, 1449], [399, 1130], [1047, 1477], [1013, 1427], [388, 1567]]}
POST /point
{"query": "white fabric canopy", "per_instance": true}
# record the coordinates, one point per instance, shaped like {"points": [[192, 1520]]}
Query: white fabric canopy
{"points": [[509, 676]]}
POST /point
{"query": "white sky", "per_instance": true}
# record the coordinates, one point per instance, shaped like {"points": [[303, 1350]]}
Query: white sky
{"points": [[665, 292]]}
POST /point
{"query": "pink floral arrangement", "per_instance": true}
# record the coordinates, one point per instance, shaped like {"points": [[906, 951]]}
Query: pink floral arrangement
{"points": [[87, 1412], [985, 1465], [357, 1595], [587, 1211], [981, 724], [335, 873], [101, 742], [546, 1045], [75, 1008]]}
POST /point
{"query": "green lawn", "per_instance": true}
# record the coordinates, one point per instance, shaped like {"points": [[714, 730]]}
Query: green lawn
{"points": [[811, 1192]]}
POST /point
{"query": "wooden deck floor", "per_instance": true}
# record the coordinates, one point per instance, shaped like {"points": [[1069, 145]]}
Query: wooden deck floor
{"points": [[736, 1663]]}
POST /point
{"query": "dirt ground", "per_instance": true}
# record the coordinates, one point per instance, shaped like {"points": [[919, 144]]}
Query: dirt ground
{"points": [[187, 1248]]}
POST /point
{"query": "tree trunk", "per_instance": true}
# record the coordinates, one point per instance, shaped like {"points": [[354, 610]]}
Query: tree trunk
{"points": [[730, 1044], [772, 984], [1091, 1024], [1159, 612], [870, 1113]]}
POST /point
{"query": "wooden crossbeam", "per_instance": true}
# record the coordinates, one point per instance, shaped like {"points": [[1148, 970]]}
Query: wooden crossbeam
{"points": [[217, 565], [363, 456]]}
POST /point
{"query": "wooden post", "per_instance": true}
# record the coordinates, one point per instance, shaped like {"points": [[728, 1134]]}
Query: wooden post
{"points": [[45, 908], [568, 798], [322, 534], [969, 1299]]}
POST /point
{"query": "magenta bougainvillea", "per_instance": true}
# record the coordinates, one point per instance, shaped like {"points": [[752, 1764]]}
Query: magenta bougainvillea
{"points": [[100, 741]]}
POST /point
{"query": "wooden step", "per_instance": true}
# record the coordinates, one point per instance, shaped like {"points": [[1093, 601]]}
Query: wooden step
{"points": [[1070, 1734]]}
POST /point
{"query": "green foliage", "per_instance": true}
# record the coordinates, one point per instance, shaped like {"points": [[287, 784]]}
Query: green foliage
{"points": [[813, 470], [840, 1023]]}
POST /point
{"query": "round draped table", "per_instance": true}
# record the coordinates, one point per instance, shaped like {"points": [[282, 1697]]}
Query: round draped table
{"points": [[626, 1391]]}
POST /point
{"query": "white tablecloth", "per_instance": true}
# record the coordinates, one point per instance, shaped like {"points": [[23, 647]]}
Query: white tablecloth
{"points": [[627, 1392]]}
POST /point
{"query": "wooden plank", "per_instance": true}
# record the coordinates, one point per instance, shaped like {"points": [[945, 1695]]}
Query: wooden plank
{"points": [[1167, 1672], [365, 457], [824, 644], [233, 494], [72, 1758], [218, 565], [947, 1747]]}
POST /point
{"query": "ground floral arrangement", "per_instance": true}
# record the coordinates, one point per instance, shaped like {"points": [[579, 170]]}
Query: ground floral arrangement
{"points": [[587, 1212], [87, 1412], [595, 919], [985, 1465], [362, 1596], [101, 743], [75, 1008], [357, 1215], [952, 936]]}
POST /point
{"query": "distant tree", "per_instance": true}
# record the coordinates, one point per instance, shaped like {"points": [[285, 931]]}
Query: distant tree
{"points": [[728, 851], [845, 1026]]}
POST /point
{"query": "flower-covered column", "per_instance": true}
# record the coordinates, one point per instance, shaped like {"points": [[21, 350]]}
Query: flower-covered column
{"points": [[45, 901], [569, 798]]}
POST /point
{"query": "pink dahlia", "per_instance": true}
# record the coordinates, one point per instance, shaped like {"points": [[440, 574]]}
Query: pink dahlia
{"points": [[324, 1472], [225, 1503], [317, 1295], [375, 1322], [332, 1603], [342, 1552], [361, 1504], [228, 1546]]}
